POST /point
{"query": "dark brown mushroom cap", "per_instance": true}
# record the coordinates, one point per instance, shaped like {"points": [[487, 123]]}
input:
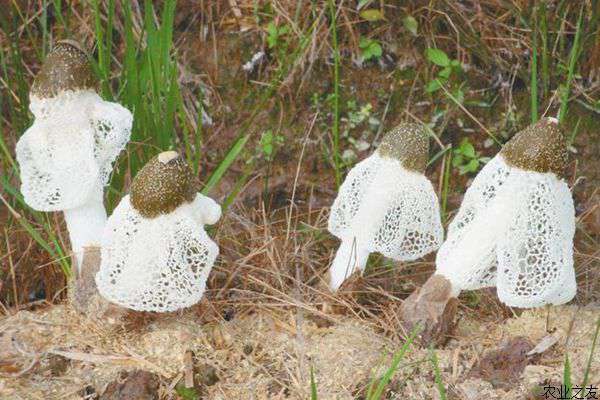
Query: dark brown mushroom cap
{"points": [[162, 185], [540, 147], [407, 143], [66, 67]]}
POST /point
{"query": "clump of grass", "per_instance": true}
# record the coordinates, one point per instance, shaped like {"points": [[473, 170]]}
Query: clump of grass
{"points": [[439, 384], [573, 57], [377, 386], [588, 367], [543, 22], [336, 96], [534, 69], [313, 385]]}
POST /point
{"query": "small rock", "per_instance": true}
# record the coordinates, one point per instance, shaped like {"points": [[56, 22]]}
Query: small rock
{"points": [[56, 365], [248, 349], [136, 385], [474, 389], [207, 375], [88, 393]]}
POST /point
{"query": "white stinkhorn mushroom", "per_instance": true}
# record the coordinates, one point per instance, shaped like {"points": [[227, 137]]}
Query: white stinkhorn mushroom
{"points": [[387, 205], [515, 226], [156, 255], [514, 230], [66, 156]]}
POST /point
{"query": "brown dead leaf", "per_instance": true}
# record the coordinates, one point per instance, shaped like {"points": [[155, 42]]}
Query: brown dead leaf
{"points": [[503, 367]]}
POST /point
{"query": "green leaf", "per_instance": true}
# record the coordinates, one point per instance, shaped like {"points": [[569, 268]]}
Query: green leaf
{"points": [[438, 57], [445, 73], [376, 50], [457, 160], [363, 43], [274, 33], [370, 48], [372, 14], [271, 35], [433, 85], [473, 165], [187, 393], [410, 24], [266, 142], [459, 95], [467, 149]]}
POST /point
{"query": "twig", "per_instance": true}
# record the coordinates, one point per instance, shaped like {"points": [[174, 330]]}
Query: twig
{"points": [[188, 369]]}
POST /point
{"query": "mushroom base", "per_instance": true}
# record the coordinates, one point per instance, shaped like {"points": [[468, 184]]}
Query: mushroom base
{"points": [[83, 292], [83, 286], [432, 310]]}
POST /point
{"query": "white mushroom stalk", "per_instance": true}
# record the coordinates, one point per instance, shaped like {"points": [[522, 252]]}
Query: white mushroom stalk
{"points": [[515, 227], [66, 156], [156, 255], [386, 205]]}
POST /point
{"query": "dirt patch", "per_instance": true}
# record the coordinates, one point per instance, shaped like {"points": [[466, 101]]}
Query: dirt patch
{"points": [[135, 385], [504, 366], [269, 354]]}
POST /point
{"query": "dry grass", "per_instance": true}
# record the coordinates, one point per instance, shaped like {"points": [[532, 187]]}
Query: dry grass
{"points": [[56, 353]]}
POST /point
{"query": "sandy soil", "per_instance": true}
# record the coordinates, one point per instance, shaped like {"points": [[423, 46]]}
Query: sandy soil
{"points": [[55, 353]]}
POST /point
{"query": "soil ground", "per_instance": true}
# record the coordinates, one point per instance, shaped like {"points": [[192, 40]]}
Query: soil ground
{"points": [[265, 355]]}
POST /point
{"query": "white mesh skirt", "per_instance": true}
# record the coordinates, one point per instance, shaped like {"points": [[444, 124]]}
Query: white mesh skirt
{"points": [[66, 156], [159, 264], [514, 230]]}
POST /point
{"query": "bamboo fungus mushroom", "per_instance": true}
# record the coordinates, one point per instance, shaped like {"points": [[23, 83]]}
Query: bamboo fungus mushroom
{"points": [[386, 204], [156, 255], [66, 156], [514, 229]]}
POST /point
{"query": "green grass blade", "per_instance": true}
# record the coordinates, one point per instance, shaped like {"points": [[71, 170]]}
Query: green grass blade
{"points": [[387, 377], [534, 69], [439, 384], [51, 245], [446, 183], [545, 54], [567, 382], [588, 367], [102, 54], [313, 385], [336, 96], [224, 165], [239, 184], [574, 55]]}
